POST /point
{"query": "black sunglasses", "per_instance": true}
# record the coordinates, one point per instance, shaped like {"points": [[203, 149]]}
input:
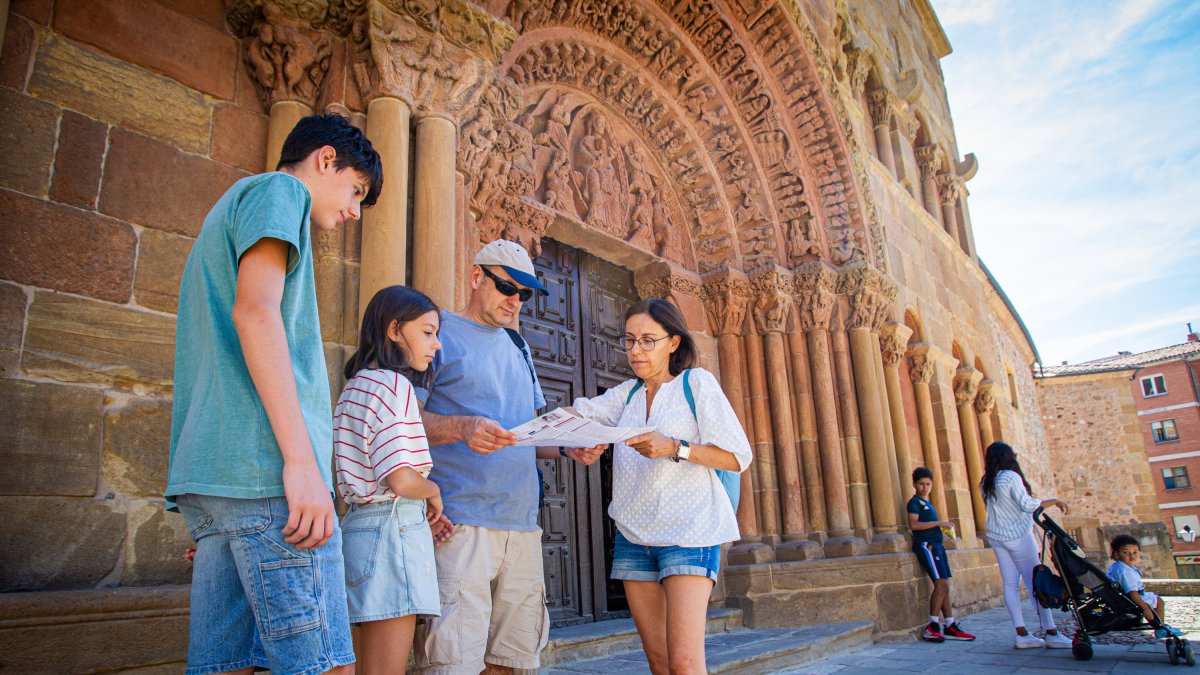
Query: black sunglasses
{"points": [[507, 287]]}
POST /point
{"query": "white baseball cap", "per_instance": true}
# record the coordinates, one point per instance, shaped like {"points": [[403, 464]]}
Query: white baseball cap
{"points": [[513, 258]]}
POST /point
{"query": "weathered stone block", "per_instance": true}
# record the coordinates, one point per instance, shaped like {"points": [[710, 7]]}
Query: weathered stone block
{"points": [[51, 442], [200, 56], [161, 258], [106, 630], [155, 546], [37, 10], [137, 437], [17, 53], [76, 340], [150, 183], [42, 244], [239, 137], [27, 135], [12, 327], [329, 274], [78, 161], [119, 93], [801, 608], [58, 543]]}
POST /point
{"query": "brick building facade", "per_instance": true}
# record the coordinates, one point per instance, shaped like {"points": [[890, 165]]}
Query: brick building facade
{"points": [[1124, 436], [785, 171]]}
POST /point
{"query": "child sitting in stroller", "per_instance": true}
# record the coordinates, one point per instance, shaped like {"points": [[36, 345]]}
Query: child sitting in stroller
{"points": [[1125, 553]]}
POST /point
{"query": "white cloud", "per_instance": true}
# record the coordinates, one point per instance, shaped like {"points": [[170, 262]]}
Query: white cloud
{"points": [[961, 12]]}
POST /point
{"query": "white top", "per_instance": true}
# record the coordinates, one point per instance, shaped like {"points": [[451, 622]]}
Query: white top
{"points": [[377, 429], [1010, 511], [657, 502]]}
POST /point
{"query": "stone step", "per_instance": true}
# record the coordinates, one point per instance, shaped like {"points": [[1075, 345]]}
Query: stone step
{"points": [[602, 638], [743, 651]]}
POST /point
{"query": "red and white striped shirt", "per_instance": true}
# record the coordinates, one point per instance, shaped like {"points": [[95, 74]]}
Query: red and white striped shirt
{"points": [[377, 429]]}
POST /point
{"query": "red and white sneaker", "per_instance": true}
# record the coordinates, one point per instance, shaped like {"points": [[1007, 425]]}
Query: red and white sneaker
{"points": [[953, 632], [933, 633]]}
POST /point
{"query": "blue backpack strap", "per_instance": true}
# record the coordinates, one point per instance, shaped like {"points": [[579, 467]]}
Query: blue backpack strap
{"points": [[687, 393], [633, 391]]}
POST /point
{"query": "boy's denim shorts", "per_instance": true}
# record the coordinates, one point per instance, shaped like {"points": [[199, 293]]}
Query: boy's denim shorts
{"points": [[634, 562], [390, 568], [258, 601]]}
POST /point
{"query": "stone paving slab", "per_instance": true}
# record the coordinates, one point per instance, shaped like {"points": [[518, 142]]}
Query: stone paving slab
{"points": [[992, 651]]}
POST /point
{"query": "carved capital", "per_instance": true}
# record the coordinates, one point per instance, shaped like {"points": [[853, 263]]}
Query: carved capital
{"points": [[930, 158], [893, 342], [949, 188], [286, 48], [881, 106], [909, 124], [726, 297], [772, 287], [858, 63], [921, 364], [985, 398], [966, 382], [663, 280], [869, 293], [815, 286]]}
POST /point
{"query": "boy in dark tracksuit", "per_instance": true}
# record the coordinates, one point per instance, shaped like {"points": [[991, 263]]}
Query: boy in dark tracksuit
{"points": [[927, 545]]}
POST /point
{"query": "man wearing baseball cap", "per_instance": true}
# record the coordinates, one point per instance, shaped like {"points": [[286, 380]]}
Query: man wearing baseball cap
{"points": [[490, 573]]}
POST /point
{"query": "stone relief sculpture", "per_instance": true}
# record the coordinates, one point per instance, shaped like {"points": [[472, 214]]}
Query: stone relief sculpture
{"points": [[288, 60]]}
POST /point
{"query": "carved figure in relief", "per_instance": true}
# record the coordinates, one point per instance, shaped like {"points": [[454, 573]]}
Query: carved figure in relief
{"points": [[848, 246], [608, 85], [696, 97], [800, 240], [664, 56], [558, 188], [676, 71], [591, 80], [654, 41], [478, 137], [639, 178], [653, 116], [730, 58], [601, 189], [559, 117], [637, 38], [641, 106], [628, 93], [287, 63], [660, 219], [688, 166], [714, 118], [642, 217]]}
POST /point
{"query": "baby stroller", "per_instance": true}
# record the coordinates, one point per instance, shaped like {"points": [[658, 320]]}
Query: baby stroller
{"points": [[1097, 602]]}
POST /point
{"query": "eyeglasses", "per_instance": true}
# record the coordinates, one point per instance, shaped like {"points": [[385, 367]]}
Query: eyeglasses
{"points": [[646, 343], [507, 287]]}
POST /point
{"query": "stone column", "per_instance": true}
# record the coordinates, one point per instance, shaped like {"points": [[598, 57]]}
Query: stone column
{"points": [[283, 117], [765, 489], [864, 290], [898, 483], [814, 284], [851, 441], [433, 209], [948, 191], [921, 367], [806, 422], [879, 102], [985, 403], [772, 309], [966, 380], [385, 226], [893, 343], [726, 296], [930, 159]]}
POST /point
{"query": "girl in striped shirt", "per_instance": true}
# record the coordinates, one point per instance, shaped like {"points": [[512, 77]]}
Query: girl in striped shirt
{"points": [[1010, 505], [383, 462]]}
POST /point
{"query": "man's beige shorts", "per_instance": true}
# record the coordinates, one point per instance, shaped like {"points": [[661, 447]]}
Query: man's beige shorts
{"points": [[507, 626]]}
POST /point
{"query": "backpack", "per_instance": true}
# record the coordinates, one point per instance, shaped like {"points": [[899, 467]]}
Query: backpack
{"points": [[730, 480], [1048, 588]]}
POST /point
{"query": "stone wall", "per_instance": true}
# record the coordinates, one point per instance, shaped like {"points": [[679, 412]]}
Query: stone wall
{"points": [[1096, 444]]}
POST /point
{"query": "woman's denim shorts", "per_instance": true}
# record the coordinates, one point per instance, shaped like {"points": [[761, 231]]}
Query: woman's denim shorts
{"points": [[390, 570], [634, 562]]}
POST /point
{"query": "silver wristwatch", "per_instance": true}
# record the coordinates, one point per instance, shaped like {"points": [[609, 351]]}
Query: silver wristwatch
{"points": [[684, 451]]}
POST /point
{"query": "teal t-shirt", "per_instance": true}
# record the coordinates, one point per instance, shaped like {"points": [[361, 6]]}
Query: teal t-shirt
{"points": [[221, 441]]}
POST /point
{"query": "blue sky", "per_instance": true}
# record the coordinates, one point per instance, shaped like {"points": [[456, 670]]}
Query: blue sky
{"points": [[1085, 117]]}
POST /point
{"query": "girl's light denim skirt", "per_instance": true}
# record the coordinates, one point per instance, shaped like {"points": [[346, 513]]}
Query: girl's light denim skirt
{"points": [[390, 569]]}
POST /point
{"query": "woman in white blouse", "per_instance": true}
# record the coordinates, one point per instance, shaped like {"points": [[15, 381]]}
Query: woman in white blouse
{"points": [[671, 511], [1010, 506]]}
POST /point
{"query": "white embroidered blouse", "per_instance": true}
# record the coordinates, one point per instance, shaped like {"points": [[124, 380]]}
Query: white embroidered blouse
{"points": [[657, 502]]}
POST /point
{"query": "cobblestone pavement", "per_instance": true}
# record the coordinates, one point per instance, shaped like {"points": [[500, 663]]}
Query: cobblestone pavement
{"points": [[992, 651]]}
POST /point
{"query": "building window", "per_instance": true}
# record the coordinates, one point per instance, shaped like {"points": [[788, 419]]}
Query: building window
{"points": [[1164, 431], [1155, 385], [1176, 478]]}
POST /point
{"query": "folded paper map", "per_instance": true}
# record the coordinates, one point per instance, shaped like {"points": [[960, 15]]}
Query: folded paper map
{"points": [[563, 428]]}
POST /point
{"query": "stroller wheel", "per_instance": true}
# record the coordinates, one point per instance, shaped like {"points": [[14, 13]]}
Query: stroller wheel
{"points": [[1082, 650], [1189, 656], [1172, 651]]}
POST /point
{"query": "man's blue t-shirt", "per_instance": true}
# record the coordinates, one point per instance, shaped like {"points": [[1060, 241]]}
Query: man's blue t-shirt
{"points": [[221, 440], [479, 371], [925, 514]]}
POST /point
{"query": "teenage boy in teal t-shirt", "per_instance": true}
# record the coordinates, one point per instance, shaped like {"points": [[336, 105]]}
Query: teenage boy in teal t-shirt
{"points": [[927, 545], [251, 428]]}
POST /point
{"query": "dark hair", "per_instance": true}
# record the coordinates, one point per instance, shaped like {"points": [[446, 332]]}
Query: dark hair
{"points": [[999, 457], [353, 149], [671, 319], [375, 349], [1121, 540], [922, 472]]}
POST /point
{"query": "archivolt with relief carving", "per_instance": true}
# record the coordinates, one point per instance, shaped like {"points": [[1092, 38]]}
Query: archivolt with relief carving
{"points": [[728, 113]]}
